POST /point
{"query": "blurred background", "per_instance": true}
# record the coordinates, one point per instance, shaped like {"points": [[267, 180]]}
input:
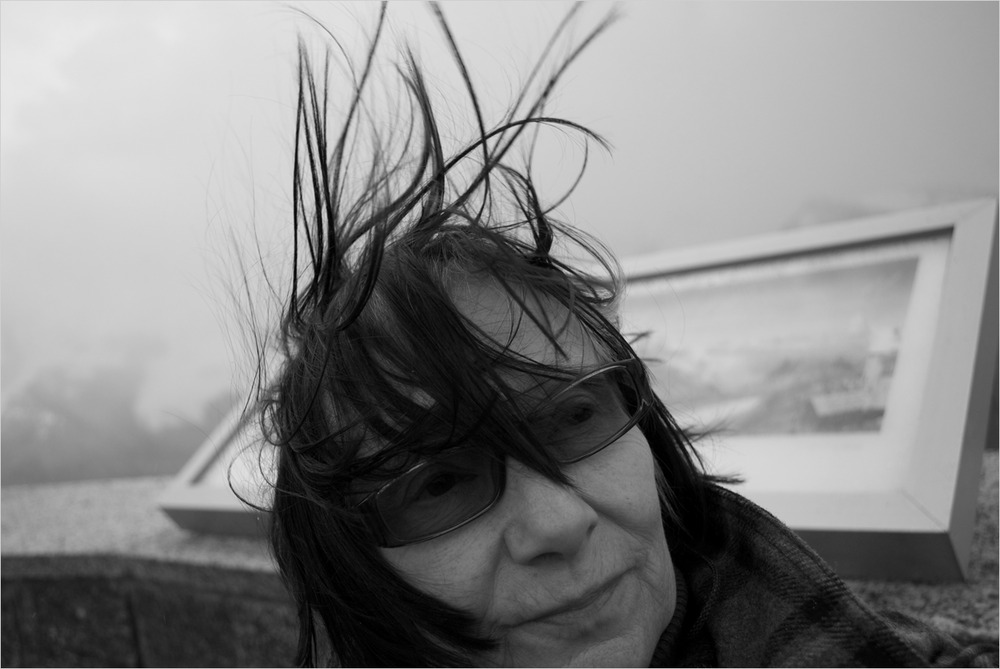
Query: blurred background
{"points": [[140, 141]]}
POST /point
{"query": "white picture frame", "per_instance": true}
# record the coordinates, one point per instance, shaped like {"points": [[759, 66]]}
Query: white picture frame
{"points": [[844, 371]]}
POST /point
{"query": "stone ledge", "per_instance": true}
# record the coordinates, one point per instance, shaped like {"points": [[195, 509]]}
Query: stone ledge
{"points": [[115, 517], [95, 575], [127, 621]]}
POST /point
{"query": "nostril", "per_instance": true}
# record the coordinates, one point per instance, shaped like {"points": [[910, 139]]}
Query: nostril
{"points": [[545, 558]]}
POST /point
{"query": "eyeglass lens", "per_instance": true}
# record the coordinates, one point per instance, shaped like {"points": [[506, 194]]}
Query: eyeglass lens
{"points": [[444, 493]]}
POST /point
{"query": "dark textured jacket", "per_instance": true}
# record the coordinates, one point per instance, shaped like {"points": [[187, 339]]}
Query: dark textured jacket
{"points": [[754, 595]]}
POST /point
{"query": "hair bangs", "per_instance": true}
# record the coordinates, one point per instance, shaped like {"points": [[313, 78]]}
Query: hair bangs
{"points": [[416, 377]]}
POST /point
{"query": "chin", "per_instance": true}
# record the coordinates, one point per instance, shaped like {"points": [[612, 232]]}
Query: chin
{"points": [[610, 653], [599, 644]]}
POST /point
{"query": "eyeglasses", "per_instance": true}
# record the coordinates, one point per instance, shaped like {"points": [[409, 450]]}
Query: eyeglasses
{"points": [[456, 487]]}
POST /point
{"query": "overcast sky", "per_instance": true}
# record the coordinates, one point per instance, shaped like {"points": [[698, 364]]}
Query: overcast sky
{"points": [[136, 136]]}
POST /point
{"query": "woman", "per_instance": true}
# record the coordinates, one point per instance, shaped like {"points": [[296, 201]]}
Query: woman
{"points": [[472, 466]]}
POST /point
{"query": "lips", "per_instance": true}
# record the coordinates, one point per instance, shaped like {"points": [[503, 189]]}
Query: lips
{"points": [[590, 600]]}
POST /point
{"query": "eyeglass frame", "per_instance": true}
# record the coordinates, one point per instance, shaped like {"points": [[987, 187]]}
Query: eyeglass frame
{"points": [[384, 535]]}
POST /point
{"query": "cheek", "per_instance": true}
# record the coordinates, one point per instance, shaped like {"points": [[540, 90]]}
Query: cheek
{"points": [[620, 482], [457, 568]]}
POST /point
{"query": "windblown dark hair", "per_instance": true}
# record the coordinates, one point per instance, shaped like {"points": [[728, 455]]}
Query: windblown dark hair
{"points": [[380, 368]]}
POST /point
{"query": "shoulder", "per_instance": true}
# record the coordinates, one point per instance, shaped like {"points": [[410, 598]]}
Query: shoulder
{"points": [[760, 596]]}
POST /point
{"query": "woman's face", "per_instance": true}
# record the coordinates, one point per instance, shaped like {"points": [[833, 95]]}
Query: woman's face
{"points": [[559, 576]]}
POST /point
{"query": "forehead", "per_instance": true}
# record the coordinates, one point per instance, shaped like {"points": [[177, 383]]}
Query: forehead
{"points": [[527, 331]]}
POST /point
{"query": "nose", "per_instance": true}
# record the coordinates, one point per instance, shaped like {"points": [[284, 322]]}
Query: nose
{"points": [[547, 520]]}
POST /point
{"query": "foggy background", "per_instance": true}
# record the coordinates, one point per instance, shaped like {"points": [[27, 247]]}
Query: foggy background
{"points": [[137, 138]]}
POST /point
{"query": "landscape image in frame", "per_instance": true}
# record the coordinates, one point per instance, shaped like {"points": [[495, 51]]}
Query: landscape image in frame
{"points": [[806, 345]]}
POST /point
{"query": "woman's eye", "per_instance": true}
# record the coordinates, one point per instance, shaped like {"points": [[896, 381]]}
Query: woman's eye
{"points": [[440, 484], [437, 483], [577, 415]]}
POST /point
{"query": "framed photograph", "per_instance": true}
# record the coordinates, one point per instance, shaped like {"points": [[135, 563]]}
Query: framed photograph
{"points": [[844, 372]]}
